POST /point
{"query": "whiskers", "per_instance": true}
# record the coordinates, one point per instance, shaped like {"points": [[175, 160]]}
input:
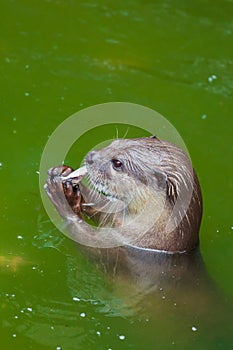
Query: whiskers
{"points": [[117, 134], [108, 211]]}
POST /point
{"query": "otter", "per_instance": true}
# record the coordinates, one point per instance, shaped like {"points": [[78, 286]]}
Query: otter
{"points": [[146, 200], [143, 193]]}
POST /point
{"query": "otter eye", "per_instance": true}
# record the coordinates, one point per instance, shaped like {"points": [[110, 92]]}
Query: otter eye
{"points": [[117, 163]]}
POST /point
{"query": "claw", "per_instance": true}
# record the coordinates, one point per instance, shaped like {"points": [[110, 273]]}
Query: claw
{"points": [[68, 188], [61, 170]]}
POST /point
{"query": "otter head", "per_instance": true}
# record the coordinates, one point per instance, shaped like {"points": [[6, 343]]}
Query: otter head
{"points": [[128, 170]]}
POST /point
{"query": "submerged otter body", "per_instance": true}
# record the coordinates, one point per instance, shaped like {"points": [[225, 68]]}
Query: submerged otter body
{"points": [[145, 189]]}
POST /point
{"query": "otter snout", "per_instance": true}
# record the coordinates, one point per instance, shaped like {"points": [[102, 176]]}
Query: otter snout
{"points": [[91, 157]]}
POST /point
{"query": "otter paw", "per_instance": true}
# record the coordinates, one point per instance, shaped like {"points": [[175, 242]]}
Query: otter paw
{"points": [[61, 191], [73, 196], [54, 189]]}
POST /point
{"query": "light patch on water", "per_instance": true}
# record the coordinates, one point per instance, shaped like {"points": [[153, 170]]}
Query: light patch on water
{"points": [[204, 116], [12, 262], [112, 41], [211, 78], [76, 299], [122, 337], [27, 93]]}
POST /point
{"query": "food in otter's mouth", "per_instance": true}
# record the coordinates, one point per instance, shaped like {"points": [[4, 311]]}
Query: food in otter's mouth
{"points": [[77, 174], [144, 189]]}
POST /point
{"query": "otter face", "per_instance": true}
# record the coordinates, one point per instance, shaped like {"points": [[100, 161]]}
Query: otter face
{"points": [[123, 170]]}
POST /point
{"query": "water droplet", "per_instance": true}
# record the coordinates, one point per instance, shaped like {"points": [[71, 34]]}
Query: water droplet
{"points": [[122, 337], [76, 299], [211, 78]]}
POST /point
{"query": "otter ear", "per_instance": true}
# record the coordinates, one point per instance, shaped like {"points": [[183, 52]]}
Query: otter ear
{"points": [[161, 178]]}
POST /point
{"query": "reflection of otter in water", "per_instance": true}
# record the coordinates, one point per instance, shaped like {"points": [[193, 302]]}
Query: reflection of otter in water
{"points": [[145, 189]]}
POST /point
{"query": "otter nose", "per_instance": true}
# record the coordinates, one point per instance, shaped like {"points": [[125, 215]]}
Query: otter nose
{"points": [[90, 157]]}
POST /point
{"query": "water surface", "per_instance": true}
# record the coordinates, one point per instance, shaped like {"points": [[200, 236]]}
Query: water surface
{"points": [[58, 57]]}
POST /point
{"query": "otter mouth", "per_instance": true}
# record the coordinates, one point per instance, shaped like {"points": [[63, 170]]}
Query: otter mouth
{"points": [[102, 189], [77, 175]]}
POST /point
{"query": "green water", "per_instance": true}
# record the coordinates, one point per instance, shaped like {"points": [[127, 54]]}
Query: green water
{"points": [[58, 57]]}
